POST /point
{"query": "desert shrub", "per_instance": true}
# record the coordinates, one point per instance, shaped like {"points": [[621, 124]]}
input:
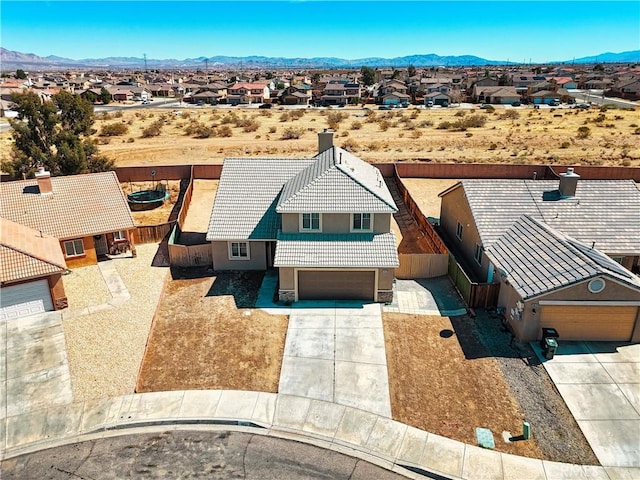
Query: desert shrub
{"points": [[199, 130], [600, 118], [510, 115], [251, 126], [416, 134], [414, 114], [565, 144], [356, 125], [229, 118], [185, 115], [493, 146], [425, 124], [272, 129], [113, 129], [446, 125], [410, 125], [636, 131], [584, 132], [130, 140], [284, 117], [473, 121], [468, 134], [350, 145], [153, 130], [384, 125], [292, 133], [296, 114], [336, 117], [460, 113], [224, 131], [117, 114]]}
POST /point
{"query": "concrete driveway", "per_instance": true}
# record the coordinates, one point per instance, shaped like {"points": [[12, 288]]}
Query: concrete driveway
{"points": [[335, 352], [600, 383]]}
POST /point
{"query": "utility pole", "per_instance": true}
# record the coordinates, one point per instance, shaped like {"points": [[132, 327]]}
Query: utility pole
{"points": [[145, 63]]}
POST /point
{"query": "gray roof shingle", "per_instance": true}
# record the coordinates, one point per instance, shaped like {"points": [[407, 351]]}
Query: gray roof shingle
{"points": [[355, 250], [603, 211], [244, 207], [538, 259], [337, 182]]}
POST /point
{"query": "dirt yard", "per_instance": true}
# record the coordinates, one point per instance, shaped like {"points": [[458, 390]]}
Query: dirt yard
{"points": [[207, 336], [425, 192], [204, 193], [509, 135], [444, 380], [158, 215]]}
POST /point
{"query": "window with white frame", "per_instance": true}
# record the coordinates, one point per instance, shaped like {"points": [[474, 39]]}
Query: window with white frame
{"points": [[477, 254], [361, 222], [120, 235], [310, 221], [239, 250], [74, 248], [459, 231]]}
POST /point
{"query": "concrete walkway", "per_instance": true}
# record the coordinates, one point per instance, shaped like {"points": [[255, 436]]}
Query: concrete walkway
{"points": [[600, 383], [426, 296], [335, 352], [376, 439]]}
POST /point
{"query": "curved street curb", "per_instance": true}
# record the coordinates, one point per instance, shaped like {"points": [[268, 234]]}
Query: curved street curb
{"points": [[379, 440]]}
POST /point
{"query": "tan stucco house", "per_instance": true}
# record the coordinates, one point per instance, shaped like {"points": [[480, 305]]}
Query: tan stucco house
{"points": [[88, 214], [324, 222], [596, 224]]}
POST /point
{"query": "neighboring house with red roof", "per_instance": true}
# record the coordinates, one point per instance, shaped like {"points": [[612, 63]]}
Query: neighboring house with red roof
{"points": [[31, 268], [88, 214]]}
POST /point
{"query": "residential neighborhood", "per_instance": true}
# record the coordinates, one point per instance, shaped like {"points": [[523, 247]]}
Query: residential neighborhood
{"points": [[420, 316]]}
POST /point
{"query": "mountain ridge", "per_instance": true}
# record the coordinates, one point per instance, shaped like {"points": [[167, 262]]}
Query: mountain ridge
{"points": [[12, 60]]}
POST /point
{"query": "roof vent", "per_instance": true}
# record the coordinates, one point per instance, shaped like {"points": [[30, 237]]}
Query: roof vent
{"points": [[44, 181], [568, 183]]}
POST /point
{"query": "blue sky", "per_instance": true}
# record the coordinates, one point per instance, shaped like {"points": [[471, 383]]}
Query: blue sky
{"points": [[501, 30]]}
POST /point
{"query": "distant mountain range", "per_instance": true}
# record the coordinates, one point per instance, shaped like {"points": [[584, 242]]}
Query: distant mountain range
{"points": [[12, 60]]}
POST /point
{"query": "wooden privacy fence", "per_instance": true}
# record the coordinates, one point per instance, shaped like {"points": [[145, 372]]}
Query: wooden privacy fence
{"points": [[188, 255], [421, 265], [152, 233], [475, 295]]}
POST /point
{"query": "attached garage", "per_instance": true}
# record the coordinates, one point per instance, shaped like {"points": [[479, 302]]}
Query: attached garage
{"points": [[336, 285], [591, 322], [25, 299]]}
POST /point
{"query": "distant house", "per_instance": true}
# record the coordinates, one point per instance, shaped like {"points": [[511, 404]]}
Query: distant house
{"points": [[88, 214], [438, 98], [340, 92], [299, 94], [31, 268], [324, 222], [486, 227], [496, 95], [389, 87], [396, 98], [247, 93]]}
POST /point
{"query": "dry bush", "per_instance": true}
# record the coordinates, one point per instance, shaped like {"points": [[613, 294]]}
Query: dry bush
{"points": [[350, 145], [384, 125], [284, 117], [584, 132], [272, 129], [113, 129], [509, 115], [153, 130], [229, 118], [251, 126], [425, 123], [292, 133], [416, 134], [199, 130], [224, 131], [336, 117], [356, 125]]}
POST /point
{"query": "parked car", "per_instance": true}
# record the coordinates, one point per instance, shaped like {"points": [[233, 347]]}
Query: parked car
{"points": [[484, 106], [582, 105], [429, 103], [265, 105], [515, 104], [554, 103], [445, 104], [384, 107]]}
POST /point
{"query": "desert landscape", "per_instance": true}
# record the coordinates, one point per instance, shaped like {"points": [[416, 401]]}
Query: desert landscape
{"points": [[196, 135]]}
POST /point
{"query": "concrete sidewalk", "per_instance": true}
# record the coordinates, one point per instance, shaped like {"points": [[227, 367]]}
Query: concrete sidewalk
{"points": [[376, 439], [335, 352], [600, 383]]}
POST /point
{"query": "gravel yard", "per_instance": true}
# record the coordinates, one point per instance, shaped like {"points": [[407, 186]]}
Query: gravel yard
{"points": [[105, 349], [85, 287]]}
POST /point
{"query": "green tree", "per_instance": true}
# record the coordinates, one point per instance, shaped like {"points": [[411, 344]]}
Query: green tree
{"points": [[20, 74], [315, 78], [105, 96], [54, 134], [368, 75], [395, 74], [411, 70], [503, 79]]}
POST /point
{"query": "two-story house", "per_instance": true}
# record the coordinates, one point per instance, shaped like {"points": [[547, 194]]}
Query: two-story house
{"points": [[340, 92], [324, 222], [246, 93]]}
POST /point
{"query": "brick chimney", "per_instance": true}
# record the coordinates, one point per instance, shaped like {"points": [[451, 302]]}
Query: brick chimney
{"points": [[44, 181], [325, 140], [568, 183]]}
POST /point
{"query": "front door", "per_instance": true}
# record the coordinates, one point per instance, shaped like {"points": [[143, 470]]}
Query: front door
{"points": [[100, 242]]}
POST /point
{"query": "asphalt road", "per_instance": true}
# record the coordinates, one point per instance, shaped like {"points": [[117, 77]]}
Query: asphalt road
{"points": [[191, 454]]}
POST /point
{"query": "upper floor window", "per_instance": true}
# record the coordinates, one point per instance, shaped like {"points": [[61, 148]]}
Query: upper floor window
{"points": [[361, 222], [310, 221], [459, 231], [74, 248]]}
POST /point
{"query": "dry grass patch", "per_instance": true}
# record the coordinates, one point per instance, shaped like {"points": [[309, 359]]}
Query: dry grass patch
{"points": [[205, 336], [433, 386]]}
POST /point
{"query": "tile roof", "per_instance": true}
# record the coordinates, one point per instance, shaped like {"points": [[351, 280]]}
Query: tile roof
{"points": [[244, 207], [538, 259], [26, 254], [337, 182], [81, 205], [602, 211], [355, 250]]}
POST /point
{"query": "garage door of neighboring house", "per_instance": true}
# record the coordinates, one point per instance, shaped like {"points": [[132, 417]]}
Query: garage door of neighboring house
{"points": [[25, 299], [595, 322], [336, 285]]}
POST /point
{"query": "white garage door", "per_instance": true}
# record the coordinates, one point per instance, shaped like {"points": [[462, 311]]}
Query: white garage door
{"points": [[25, 299]]}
